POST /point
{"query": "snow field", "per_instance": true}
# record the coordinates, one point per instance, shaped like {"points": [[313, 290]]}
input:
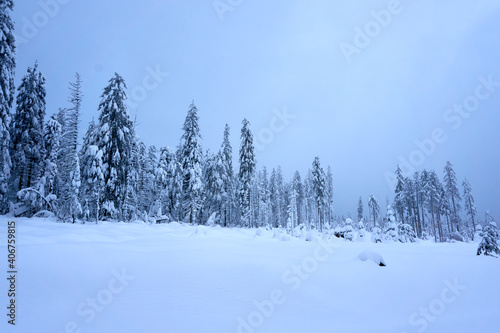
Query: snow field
{"points": [[117, 277]]}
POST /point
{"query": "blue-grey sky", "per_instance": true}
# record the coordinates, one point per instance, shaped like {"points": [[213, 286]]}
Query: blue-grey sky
{"points": [[355, 82]]}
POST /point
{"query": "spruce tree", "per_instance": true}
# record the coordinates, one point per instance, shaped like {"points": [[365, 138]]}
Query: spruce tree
{"points": [[329, 195], [264, 196], [246, 173], [470, 207], [69, 162], [191, 163], [27, 130], [51, 138], [489, 243], [360, 209], [374, 209], [433, 191], [452, 195], [168, 184], [319, 189], [298, 187], [92, 173], [114, 140], [399, 203], [227, 175], [7, 90]]}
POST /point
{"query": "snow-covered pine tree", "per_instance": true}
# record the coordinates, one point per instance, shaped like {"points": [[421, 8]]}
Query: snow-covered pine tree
{"points": [[319, 188], [92, 176], [329, 196], [148, 191], [470, 207], [264, 197], [246, 173], [361, 229], [274, 194], [433, 191], [292, 212], [282, 196], [191, 163], [309, 211], [489, 243], [255, 202], [376, 234], [406, 233], [227, 176], [51, 138], [348, 230], [69, 162], [114, 141], [131, 210], [399, 200], [360, 209], [299, 189], [391, 229], [27, 130], [374, 209], [452, 195], [7, 90], [213, 185]]}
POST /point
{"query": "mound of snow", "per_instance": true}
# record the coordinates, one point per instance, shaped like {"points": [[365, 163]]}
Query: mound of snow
{"points": [[373, 256]]}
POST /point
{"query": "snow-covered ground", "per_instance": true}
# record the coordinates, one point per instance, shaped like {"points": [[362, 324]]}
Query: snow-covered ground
{"points": [[116, 277]]}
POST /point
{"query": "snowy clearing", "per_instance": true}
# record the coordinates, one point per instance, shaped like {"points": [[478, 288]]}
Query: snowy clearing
{"points": [[117, 277]]}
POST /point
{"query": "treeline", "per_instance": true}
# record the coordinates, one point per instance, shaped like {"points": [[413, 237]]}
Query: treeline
{"points": [[115, 176]]}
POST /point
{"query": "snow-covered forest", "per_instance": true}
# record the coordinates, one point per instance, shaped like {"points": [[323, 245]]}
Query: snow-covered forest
{"points": [[112, 175]]}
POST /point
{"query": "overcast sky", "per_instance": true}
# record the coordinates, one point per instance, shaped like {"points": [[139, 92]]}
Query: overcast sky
{"points": [[354, 82]]}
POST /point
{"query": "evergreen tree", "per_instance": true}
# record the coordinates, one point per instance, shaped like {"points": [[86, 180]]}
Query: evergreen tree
{"points": [[281, 197], [246, 173], [374, 209], [489, 243], [227, 176], [213, 185], [27, 130], [391, 230], [92, 173], [299, 189], [329, 195], [130, 209], [265, 198], [191, 163], [470, 207], [51, 139], [7, 89], [360, 209], [319, 188], [69, 163], [433, 190], [348, 230], [452, 194], [114, 141], [148, 192], [399, 200], [292, 212]]}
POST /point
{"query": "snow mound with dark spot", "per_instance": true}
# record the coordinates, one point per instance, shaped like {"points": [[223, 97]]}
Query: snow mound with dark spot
{"points": [[373, 256]]}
